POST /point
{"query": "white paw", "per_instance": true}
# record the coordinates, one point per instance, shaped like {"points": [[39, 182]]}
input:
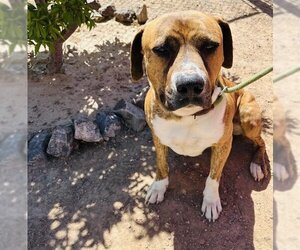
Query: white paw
{"points": [[280, 171], [156, 191], [211, 205], [256, 171]]}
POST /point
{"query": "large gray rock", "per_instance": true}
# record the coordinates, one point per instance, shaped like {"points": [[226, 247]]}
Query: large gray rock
{"points": [[125, 16], [109, 123], [37, 147], [61, 142], [94, 4], [87, 130], [12, 146], [141, 14], [97, 17], [133, 116], [38, 64], [108, 11], [15, 63]]}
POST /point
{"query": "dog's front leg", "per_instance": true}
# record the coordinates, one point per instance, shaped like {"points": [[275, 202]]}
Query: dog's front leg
{"points": [[211, 205], [158, 188]]}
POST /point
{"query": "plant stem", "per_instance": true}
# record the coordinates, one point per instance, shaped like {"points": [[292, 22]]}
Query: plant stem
{"points": [[56, 57]]}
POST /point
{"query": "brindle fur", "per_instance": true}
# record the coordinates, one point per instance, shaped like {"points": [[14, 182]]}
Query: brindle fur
{"points": [[189, 28]]}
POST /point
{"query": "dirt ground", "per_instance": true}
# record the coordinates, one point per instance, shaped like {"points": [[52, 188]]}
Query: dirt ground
{"points": [[286, 33], [95, 198], [13, 164]]}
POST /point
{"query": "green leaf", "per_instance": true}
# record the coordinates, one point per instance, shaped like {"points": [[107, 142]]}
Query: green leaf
{"points": [[44, 33], [12, 47], [51, 47], [37, 48], [47, 21]]}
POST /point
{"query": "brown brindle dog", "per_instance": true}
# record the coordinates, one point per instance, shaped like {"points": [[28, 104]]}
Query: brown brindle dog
{"points": [[183, 54]]}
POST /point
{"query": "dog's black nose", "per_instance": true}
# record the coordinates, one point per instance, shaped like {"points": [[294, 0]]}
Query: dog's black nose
{"points": [[190, 86]]}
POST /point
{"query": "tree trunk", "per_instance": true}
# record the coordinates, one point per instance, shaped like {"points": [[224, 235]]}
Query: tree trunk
{"points": [[56, 57]]}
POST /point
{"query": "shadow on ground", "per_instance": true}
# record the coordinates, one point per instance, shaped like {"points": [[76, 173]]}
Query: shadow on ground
{"points": [[91, 82], [284, 6], [96, 198]]}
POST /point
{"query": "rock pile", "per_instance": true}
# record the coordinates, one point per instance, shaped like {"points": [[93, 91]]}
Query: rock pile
{"points": [[62, 140], [125, 16]]}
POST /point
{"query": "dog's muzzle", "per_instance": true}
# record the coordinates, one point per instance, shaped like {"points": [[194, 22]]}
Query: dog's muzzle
{"points": [[188, 89], [190, 86]]}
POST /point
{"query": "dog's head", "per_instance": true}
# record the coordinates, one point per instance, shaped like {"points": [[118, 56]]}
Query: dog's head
{"points": [[183, 54]]}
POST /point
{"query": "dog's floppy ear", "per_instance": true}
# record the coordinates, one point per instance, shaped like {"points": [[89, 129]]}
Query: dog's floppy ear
{"points": [[227, 43], [136, 56]]}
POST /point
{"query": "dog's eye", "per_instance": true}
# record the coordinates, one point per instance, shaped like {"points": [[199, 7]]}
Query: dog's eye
{"points": [[209, 47], [161, 51]]}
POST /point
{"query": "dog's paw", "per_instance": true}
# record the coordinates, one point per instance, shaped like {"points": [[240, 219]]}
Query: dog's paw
{"points": [[211, 205], [156, 191], [280, 172], [256, 171]]}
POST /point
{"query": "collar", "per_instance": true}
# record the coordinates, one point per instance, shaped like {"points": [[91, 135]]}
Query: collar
{"points": [[217, 97]]}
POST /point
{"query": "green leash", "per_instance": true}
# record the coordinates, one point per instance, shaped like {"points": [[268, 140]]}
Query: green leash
{"points": [[247, 82], [226, 89], [286, 74], [259, 75]]}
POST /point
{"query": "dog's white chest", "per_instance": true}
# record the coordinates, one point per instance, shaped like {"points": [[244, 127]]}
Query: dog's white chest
{"points": [[190, 136]]}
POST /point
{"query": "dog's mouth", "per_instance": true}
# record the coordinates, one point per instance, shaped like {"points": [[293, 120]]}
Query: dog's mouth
{"points": [[172, 101], [188, 105]]}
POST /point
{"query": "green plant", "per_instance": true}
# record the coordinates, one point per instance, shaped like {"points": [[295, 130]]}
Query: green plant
{"points": [[13, 25], [51, 22]]}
